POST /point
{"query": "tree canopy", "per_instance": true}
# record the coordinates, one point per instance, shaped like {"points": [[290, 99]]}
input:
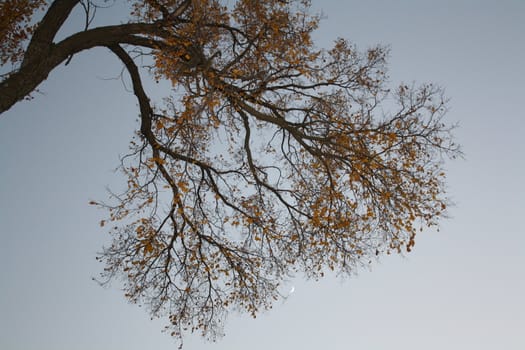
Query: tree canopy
{"points": [[268, 157]]}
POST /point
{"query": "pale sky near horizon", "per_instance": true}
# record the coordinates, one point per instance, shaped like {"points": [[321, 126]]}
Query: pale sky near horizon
{"points": [[460, 288]]}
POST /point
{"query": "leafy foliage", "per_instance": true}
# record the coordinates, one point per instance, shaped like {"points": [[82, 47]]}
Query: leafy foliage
{"points": [[270, 157]]}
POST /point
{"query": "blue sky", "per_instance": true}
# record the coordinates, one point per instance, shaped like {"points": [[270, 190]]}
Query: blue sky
{"points": [[460, 288]]}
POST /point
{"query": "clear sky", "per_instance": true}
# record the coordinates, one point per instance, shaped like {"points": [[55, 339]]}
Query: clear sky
{"points": [[460, 288]]}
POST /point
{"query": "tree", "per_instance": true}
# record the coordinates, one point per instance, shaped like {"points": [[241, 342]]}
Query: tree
{"points": [[270, 156]]}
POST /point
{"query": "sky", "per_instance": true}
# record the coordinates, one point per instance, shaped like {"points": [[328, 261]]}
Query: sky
{"points": [[460, 288]]}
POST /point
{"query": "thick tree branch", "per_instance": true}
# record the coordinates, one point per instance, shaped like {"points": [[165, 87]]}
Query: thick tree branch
{"points": [[42, 39], [145, 109], [21, 83]]}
